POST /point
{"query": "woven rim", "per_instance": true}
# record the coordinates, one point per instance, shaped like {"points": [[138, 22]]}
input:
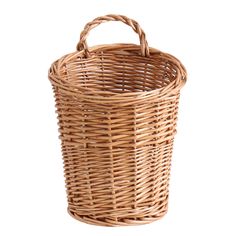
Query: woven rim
{"points": [[58, 70]]}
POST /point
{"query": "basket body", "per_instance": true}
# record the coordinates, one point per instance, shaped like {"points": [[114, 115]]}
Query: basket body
{"points": [[117, 115]]}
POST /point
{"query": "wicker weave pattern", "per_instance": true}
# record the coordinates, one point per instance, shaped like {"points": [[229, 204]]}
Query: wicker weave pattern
{"points": [[117, 108]]}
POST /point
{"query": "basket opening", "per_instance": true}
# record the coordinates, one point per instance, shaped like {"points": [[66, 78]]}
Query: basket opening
{"points": [[121, 73]]}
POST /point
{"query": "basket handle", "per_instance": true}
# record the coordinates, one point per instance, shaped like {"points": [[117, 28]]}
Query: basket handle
{"points": [[82, 45]]}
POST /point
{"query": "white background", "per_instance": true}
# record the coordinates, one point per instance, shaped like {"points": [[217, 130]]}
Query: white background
{"points": [[200, 33]]}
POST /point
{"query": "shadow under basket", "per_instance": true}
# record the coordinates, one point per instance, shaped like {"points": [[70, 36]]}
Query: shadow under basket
{"points": [[117, 109]]}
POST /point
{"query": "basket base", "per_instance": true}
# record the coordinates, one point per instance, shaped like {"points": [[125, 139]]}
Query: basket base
{"points": [[118, 222]]}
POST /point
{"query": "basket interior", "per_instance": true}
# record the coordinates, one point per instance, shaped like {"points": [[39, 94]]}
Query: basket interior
{"points": [[121, 73]]}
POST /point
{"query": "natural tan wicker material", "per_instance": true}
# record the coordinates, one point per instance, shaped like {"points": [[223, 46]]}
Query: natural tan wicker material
{"points": [[117, 108]]}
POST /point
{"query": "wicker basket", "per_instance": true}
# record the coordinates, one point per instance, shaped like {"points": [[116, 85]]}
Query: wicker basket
{"points": [[117, 109]]}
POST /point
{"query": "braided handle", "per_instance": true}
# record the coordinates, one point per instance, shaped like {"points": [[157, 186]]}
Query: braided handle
{"points": [[82, 45]]}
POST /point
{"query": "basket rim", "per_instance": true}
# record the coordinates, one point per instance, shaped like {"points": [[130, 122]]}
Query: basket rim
{"points": [[56, 78]]}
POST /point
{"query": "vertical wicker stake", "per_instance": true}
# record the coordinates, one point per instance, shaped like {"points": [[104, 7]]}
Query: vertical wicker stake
{"points": [[117, 107]]}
